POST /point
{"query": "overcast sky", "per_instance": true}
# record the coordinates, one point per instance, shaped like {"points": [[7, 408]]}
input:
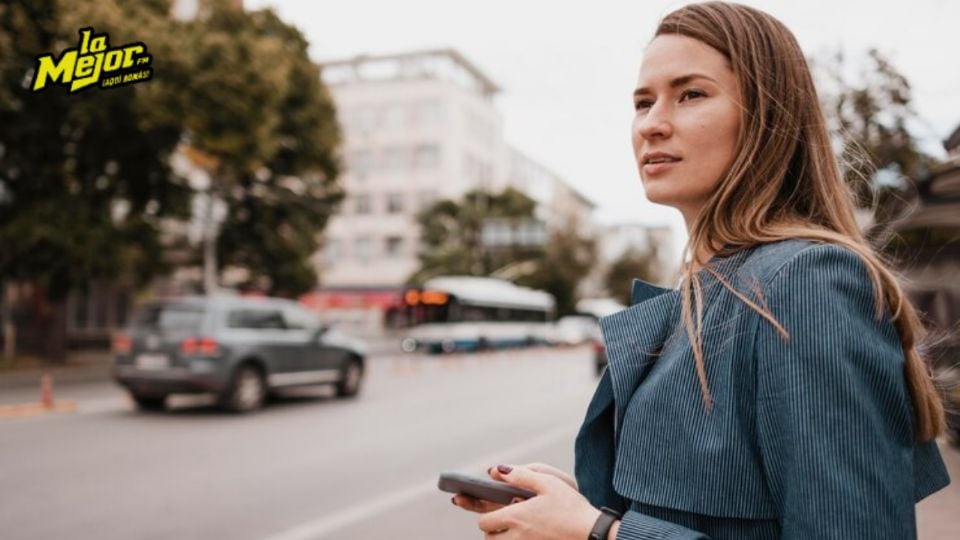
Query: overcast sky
{"points": [[567, 69]]}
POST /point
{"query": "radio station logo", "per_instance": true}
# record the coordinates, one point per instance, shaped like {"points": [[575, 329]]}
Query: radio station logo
{"points": [[93, 62]]}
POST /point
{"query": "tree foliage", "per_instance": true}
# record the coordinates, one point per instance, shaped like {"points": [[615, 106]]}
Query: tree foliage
{"points": [[451, 235], [258, 108], [86, 183], [85, 179], [567, 260], [871, 115], [633, 264], [450, 232]]}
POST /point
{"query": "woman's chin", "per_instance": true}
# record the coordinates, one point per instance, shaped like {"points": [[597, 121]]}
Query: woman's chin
{"points": [[660, 196]]}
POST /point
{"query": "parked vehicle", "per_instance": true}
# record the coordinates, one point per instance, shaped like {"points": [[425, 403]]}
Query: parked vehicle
{"points": [[574, 330], [599, 354], [472, 313], [240, 349]]}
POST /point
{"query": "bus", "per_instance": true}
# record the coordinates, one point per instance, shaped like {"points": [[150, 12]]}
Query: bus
{"points": [[467, 313]]}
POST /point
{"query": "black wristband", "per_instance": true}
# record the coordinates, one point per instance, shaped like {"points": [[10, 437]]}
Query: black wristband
{"points": [[602, 527]]}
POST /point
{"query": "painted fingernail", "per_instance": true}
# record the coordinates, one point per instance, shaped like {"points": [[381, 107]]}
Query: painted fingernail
{"points": [[504, 469], [453, 500]]}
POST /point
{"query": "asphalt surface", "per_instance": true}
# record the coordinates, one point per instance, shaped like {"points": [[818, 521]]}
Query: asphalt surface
{"points": [[309, 466]]}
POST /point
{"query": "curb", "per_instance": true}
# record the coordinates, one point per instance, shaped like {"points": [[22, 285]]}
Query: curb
{"points": [[31, 409], [60, 374]]}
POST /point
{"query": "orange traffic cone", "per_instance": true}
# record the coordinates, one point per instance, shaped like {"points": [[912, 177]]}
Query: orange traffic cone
{"points": [[46, 391]]}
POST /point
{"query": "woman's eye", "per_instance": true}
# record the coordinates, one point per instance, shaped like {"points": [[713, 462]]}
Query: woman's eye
{"points": [[690, 94], [642, 104]]}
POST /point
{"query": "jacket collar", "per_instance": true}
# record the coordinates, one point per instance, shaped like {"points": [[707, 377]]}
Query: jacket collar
{"points": [[635, 336], [643, 291]]}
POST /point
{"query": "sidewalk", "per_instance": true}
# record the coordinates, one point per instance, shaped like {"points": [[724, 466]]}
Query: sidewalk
{"points": [[79, 366]]}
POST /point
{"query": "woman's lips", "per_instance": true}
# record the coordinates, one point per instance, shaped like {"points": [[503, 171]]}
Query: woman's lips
{"points": [[652, 169]]}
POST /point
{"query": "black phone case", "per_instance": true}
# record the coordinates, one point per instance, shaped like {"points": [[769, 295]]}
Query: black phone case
{"points": [[482, 488]]}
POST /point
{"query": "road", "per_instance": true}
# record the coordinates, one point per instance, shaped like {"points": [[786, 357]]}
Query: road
{"points": [[309, 466]]}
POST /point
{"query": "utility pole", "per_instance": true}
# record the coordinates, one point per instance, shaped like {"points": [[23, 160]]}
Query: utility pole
{"points": [[209, 244]]}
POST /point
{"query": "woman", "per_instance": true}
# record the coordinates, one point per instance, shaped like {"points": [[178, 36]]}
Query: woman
{"points": [[779, 392]]}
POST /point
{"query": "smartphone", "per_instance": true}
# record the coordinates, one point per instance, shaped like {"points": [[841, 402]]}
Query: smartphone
{"points": [[482, 488]]}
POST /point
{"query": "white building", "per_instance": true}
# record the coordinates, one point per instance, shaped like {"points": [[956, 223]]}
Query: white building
{"points": [[418, 127]]}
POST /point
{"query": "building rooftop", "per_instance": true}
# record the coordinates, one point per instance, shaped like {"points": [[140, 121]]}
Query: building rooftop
{"points": [[445, 64]]}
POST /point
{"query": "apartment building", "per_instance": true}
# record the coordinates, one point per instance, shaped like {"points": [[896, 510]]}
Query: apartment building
{"points": [[418, 127]]}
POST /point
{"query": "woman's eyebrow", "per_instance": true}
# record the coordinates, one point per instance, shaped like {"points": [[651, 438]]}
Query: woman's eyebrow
{"points": [[679, 81]]}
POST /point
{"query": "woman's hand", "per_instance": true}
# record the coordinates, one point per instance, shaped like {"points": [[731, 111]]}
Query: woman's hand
{"points": [[480, 506], [557, 512]]}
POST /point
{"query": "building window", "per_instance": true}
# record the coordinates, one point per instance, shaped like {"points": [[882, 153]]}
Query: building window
{"points": [[332, 250], [394, 246], [363, 248], [426, 156], [361, 162], [393, 116], [476, 169], [362, 204], [430, 112], [395, 203], [425, 198], [366, 119], [396, 159]]}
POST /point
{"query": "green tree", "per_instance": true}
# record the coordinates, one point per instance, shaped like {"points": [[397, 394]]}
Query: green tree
{"points": [[871, 117], [568, 259], [259, 110], [85, 178], [633, 264], [451, 234]]}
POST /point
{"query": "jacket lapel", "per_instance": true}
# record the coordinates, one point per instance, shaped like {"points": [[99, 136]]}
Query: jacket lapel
{"points": [[634, 338], [631, 337]]}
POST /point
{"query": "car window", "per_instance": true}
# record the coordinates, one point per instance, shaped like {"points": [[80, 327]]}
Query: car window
{"points": [[259, 319], [169, 317], [301, 319]]}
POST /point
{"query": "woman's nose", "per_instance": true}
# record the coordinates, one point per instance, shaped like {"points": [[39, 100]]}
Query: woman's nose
{"points": [[655, 123]]}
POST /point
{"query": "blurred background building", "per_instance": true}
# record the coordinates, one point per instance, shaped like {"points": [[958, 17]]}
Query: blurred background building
{"points": [[418, 126]]}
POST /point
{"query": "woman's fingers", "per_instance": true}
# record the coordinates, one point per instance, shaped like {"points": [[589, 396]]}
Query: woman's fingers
{"points": [[540, 468], [551, 470], [475, 505]]}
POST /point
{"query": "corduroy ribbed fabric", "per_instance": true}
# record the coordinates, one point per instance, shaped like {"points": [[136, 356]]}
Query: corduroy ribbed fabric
{"points": [[810, 437]]}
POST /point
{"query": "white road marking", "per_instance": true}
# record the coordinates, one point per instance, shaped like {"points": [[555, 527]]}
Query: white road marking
{"points": [[330, 523]]}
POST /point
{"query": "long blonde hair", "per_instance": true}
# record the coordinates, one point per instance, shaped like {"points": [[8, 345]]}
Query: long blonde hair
{"points": [[764, 197]]}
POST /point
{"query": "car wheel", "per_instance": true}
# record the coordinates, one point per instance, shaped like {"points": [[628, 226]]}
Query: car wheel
{"points": [[149, 402], [408, 345], [247, 390], [448, 346], [350, 378]]}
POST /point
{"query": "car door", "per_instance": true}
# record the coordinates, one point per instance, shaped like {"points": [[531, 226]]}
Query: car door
{"points": [[317, 360], [261, 331]]}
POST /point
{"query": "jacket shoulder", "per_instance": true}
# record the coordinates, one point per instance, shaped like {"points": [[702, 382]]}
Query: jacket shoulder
{"points": [[765, 261]]}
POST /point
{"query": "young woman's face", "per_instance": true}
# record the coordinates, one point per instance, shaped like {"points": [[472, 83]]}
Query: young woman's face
{"points": [[686, 122]]}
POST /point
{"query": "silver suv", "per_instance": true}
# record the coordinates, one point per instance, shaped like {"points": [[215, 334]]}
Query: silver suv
{"points": [[238, 348]]}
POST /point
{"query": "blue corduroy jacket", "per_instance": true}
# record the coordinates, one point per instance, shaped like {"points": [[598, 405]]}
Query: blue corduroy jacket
{"points": [[809, 437]]}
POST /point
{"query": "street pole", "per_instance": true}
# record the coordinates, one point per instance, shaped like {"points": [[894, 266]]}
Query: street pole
{"points": [[209, 246], [9, 331]]}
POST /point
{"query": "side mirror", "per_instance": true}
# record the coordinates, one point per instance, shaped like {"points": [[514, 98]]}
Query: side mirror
{"points": [[319, 332]]}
